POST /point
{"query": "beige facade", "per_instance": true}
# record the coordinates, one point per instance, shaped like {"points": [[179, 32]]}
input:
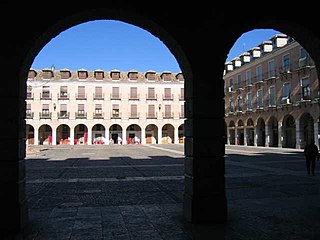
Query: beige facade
{"points": [[272, 96], [99, 107]]}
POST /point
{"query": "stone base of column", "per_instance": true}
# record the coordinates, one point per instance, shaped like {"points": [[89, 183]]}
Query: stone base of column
{"points": [[210, 209], [14, 217]]}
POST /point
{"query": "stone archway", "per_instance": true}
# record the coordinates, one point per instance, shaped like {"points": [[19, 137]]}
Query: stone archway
{"points": [[196, 39]]}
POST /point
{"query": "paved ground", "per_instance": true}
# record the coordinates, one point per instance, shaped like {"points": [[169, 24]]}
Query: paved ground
{"points": [[135, 192]]}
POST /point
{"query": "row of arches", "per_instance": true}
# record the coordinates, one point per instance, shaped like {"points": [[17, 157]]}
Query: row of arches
{"points": [[46, 134], [286, 132]]}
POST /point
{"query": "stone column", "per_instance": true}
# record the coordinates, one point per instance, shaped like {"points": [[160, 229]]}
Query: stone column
{"points": [[13, 207], [245, 132], [36, 136], [298, 134], [89, 136], [159, 135], [143, 135], [176, 135], [71, 135], [280, 138], [204, 193], [124, 136], [54, 136], [316, 133]]}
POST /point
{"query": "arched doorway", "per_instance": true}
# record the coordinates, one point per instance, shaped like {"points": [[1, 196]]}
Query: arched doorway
{"points": [[45, 135], [306, 129], [273, 132], [151, 134], [115, 134], [289, 132], [261, 133], [250, 132], [63, 134]]}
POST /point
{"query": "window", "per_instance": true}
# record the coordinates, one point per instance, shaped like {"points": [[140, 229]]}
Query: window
{"points": [[151, 111], [248, 77], [272, 96], [133, 93], [286, 91], [303, 58], [167, 93], [239, 79], [167, 111], [81, 92], [28, 111], [181, 94], [239, 104], [134, 111], [115, 110], [115, 93], [133, 75], [231, 107], [259, 73], [271, 69], [81, 110], [63, 91], [182, 111], [45, 110], [286, 63], [259, 98], [98, 93], [249, 101], [151, 93], [29, 92], [98, 110], [45, 91], [63, 110], [305, 89]]}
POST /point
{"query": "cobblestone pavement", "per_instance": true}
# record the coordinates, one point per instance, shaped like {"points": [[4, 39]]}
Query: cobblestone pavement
{"points": [[135, 192]]}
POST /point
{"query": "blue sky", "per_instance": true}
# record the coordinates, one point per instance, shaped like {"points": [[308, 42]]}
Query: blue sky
{"points": [[108, 45]]}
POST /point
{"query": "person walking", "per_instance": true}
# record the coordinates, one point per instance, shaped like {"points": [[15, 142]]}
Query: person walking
{"points": [[311, 153]]}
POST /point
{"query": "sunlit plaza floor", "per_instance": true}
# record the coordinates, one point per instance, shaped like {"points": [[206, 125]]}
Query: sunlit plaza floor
{"points": [[136, 192]]}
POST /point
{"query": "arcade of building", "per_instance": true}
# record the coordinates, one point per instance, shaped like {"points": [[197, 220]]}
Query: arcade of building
{"points": [[272, 96], [99, 107]]}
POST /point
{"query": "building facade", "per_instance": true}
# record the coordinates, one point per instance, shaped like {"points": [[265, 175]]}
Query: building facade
{"points": [[100, 107], [272, 96]]}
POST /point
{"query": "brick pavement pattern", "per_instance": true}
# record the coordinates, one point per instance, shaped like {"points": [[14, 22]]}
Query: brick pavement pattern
{"points": [[135, 192]]}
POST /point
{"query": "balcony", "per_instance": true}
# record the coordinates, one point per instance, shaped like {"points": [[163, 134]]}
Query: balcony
{"points": [[97, 115], [63, 96], [45, 115], [29, 115], [81, 115], [151, 97], [81, 96], [63, 115], [151, 115], [168, 97], [114, 96], [167, 115], [98, 96], [115, 115], [134, 115], [29, 96], [134, 97], [45, 96]]}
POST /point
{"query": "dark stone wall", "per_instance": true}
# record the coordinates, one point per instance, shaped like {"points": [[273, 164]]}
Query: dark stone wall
{"points": [[199, 35]]}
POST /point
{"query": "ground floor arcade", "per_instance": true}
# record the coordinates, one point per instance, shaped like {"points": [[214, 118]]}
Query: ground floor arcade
{"points": [[288, 130], [99, 133]]}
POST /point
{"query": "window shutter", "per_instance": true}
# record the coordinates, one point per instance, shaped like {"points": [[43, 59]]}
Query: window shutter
{"points": [[63, 107], [133, 92], [81, 107], [151, 93]]}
